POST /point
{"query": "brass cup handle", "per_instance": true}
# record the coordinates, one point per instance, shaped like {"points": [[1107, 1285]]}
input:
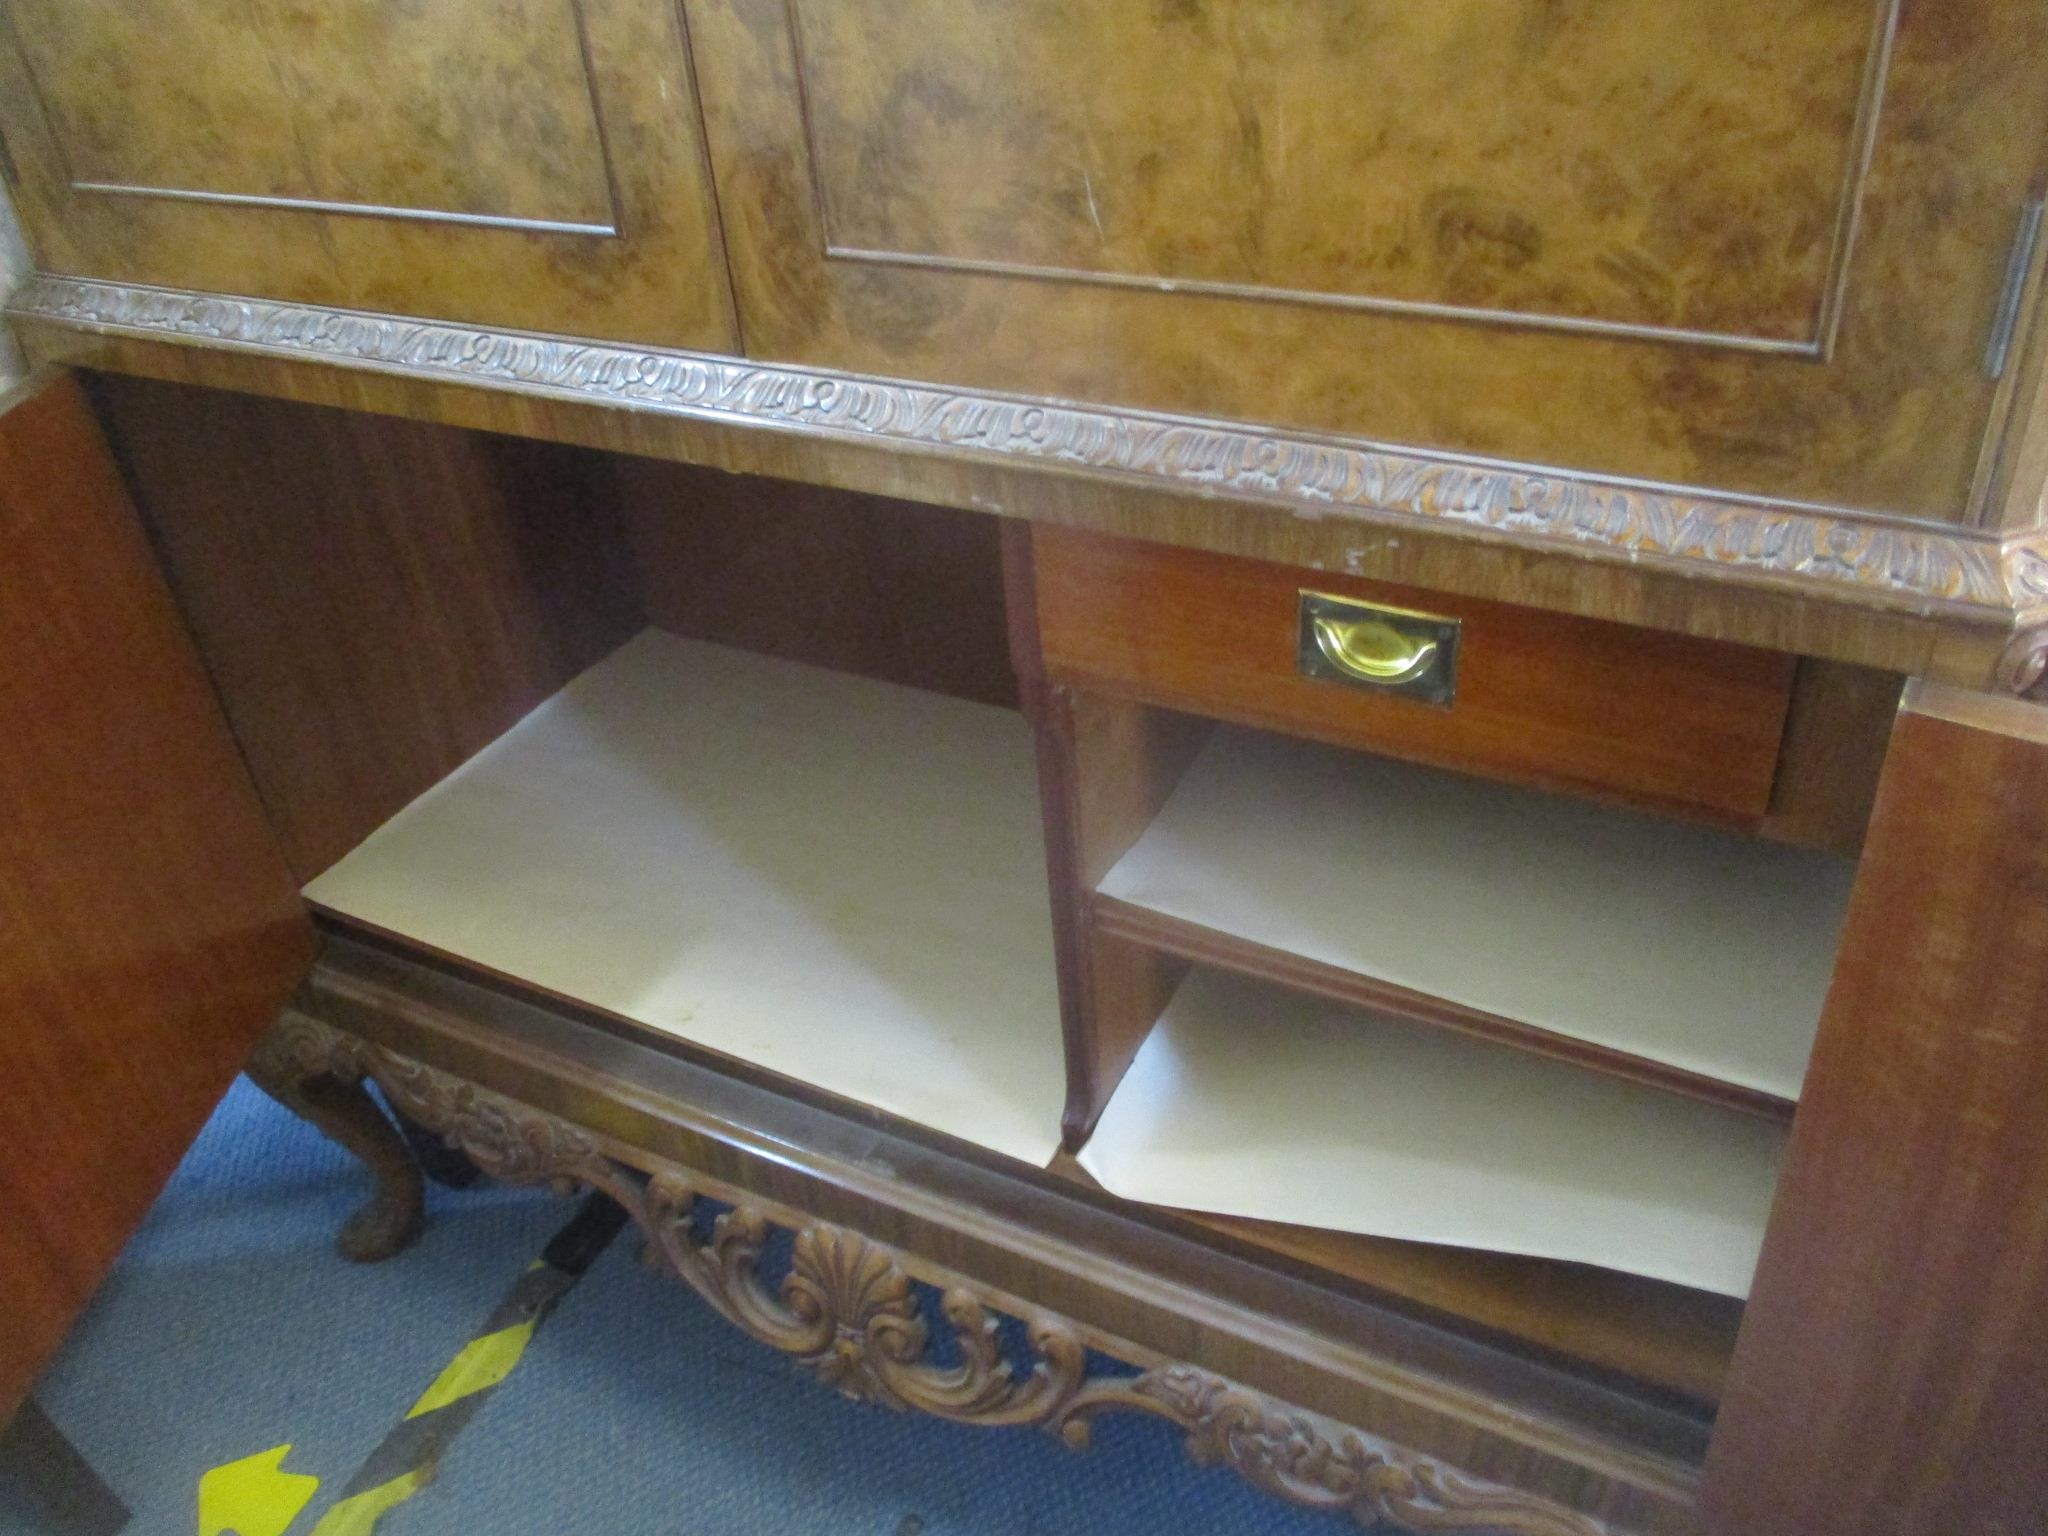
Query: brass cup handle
{"points": [[1372, 650]]}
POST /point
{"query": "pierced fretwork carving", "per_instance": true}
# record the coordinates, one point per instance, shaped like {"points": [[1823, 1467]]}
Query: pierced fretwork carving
{"points": [[847, 1311], [1291, 1455]]}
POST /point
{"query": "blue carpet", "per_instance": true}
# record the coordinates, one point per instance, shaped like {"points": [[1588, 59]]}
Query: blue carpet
{"points": [[229, 1327]]}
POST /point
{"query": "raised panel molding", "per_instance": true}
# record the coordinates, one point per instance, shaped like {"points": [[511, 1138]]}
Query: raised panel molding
{"points": [[1838, 554], [321, 181], [902, 104]]}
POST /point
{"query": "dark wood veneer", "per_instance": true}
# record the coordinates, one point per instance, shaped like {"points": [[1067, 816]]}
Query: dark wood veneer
{"points": [[151, 929], [1897, 1314], [377, 601], [1674, 724]]}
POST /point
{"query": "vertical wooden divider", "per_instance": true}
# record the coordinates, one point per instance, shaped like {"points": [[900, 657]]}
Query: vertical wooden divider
{"points": [[1105, 766], [1891, 1377]]}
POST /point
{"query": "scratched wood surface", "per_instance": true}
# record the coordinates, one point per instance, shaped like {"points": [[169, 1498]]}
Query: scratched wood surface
{"points": [[532, 163], [1613, 237]]}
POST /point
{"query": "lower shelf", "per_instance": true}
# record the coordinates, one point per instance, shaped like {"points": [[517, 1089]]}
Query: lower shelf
{"points": [[1253, 1102], [836, 879]]}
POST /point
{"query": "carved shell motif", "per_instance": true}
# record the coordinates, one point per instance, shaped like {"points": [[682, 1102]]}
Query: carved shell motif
{"points": [[848, 1312]]}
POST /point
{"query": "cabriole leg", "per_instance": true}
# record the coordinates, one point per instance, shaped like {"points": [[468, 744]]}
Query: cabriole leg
{"points": [[330, 1094]]}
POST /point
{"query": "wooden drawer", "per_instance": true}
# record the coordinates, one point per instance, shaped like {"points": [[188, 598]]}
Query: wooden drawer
{"points": [[1654, 718]]}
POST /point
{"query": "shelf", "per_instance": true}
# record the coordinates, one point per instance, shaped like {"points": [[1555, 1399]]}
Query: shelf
{"points": [[1251, 1101], [1698, 950], [835, 879], [1113, 919]]}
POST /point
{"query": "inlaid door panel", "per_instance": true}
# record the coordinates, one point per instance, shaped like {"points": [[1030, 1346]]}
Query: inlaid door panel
{"points": [[1745, 243], [531, 163]]}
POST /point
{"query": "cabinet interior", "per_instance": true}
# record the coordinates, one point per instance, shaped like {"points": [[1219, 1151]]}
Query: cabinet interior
{"points": [[753, 765]]}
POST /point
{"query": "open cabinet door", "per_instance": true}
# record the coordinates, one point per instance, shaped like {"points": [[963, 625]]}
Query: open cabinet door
{"points": [[149, 930]]}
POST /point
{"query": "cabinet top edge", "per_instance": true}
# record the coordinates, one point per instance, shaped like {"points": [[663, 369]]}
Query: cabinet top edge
{"points": [[1914, 596]]}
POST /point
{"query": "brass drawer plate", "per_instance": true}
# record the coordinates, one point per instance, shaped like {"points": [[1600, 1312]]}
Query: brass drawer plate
{"points": [[1378, 649]]}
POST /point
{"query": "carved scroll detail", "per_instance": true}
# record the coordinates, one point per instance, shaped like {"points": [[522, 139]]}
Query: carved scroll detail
{"points": [[317, 1073], [848, 1312], [1830, 551], [298, 1048], [1291, 1456], [2023, 666]]}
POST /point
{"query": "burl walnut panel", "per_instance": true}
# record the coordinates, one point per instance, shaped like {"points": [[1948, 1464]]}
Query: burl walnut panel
{"points": [[433, 125], [1229, 146], [532, 163], [1755, 246]]}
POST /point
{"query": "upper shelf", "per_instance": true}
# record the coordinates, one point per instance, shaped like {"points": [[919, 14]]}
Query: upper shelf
{"points": [[676, 838], [1697, 949]]}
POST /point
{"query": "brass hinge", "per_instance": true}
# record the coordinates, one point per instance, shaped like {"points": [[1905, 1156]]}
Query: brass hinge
{"points": [[2019, 260]]}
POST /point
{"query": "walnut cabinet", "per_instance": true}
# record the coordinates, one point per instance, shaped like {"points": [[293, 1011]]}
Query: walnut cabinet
{"points": [[1338, 700], [1762, 248]]}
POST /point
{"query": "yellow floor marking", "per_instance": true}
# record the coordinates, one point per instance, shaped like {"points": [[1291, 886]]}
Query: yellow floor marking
{"points": [[483, 1363], [358, 1516], [253, 1496]]}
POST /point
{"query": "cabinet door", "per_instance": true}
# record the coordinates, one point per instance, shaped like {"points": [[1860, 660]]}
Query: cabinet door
{"points": [[526, 163], [1751, 244], [148, 929]]}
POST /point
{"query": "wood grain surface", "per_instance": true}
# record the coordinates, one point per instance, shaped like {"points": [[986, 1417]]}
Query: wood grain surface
{"points": [[1811, 613], [533, 163], [1892, 1375], [152, 929], [1559, 233], [1647, 718], [890, 589], [376, 600]]}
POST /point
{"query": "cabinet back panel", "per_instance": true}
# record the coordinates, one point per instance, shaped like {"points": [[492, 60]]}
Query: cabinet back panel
{"points": [[376, 599], [907, 593]]}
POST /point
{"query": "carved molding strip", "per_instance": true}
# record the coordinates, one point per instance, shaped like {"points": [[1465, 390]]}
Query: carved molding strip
{"points": [[1828, 553], [848, 1313]]}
